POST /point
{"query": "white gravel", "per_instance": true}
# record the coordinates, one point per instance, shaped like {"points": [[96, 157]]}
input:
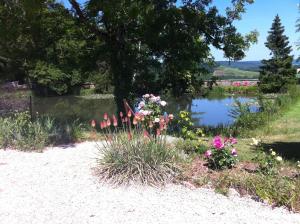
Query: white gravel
{"points": [[57, 186]]}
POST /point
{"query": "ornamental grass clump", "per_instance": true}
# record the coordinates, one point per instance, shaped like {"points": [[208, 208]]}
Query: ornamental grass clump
{"points": [[135, 147], [222, 154]]}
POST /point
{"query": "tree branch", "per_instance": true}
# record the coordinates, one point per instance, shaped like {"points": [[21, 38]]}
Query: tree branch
{"points": [[83, 19]]}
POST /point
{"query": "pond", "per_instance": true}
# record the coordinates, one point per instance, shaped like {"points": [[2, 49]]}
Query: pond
{"points": [[205, 111]]}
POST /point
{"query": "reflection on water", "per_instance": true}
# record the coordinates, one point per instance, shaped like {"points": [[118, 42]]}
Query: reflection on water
{"points": [[207, 112]]}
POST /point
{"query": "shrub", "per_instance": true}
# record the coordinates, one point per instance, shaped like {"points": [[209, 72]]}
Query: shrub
{"points": [[222, 154], [137, 153], [21, 132], [190, 146], [186, 127], [273, 189], [268, 162]]}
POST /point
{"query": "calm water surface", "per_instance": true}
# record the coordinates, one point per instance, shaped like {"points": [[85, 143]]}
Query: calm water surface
{"points": [[205, 112]]}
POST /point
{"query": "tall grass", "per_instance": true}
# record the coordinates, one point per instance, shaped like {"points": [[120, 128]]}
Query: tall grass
{"points": [[21, 132]]}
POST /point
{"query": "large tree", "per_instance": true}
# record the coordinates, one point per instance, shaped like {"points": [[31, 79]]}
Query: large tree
{"points": [[278, 71], [173, 37], [41, 42]]}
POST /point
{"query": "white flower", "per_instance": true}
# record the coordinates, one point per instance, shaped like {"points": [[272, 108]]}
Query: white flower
{"points": [[279, 158], [146, 112], [273, 154], [141, 104], [146, 96], [156, 120], [163, 103], [255, 142]]}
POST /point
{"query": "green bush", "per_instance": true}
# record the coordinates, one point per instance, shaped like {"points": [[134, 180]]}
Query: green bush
{"points": [[190, 146], [274, 189], [269, 108], [19, 131]]}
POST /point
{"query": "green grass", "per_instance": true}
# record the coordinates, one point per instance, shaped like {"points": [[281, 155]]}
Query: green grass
{"points": [[235, 73], [282, 134]]}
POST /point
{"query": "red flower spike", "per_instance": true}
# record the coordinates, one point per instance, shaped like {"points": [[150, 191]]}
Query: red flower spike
{"points": [[105, 116], [134, 121], [108, 122], [115, 121], [104, 124], [93, 123], [121, 114], [129, 136], [161, 126], [146, 134], [157, 132], [129, 114], [101, 125]]}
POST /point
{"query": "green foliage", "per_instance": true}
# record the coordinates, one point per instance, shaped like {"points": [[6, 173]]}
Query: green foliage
{"points": [[268, 162], [190, 146], [52, 78], [20, 132], [186, 127], [269, 109], [140, 37], [278, 72], [273, 189]]}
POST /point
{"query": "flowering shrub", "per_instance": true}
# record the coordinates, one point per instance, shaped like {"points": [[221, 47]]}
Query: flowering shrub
{"points": [[137, 151], [150, 112], [222, 154], [268, 162]]}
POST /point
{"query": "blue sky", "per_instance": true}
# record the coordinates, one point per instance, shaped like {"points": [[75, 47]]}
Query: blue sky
{"points": [[260, 16]]}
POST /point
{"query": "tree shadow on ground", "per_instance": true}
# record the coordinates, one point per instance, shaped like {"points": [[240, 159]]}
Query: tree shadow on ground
{"points": [[288, 150]]}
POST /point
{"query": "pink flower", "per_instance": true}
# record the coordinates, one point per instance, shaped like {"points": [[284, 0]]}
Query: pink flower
{"points": [[233, 140], [234, 152], [217, 142], [208, 154], [146, 96], [245, 83]]}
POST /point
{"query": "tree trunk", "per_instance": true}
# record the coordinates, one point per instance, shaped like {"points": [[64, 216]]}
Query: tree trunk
{"points": [[122, 76]]}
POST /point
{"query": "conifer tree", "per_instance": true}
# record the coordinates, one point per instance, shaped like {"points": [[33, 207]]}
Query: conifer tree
{"points": [[278, 71]]}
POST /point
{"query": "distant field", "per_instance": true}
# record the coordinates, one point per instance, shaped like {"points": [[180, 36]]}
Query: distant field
{"points": [[235, 73]]}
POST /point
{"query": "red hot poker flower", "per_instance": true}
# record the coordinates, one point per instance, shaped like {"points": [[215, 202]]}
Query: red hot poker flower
{"points": [[93, 123], [105, 116]]}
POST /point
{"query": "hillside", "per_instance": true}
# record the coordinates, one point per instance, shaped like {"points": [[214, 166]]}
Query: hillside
{"points": [[235, 73]]}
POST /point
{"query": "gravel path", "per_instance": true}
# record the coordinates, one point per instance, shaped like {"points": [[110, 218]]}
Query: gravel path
{"points": [[57, 186]]}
